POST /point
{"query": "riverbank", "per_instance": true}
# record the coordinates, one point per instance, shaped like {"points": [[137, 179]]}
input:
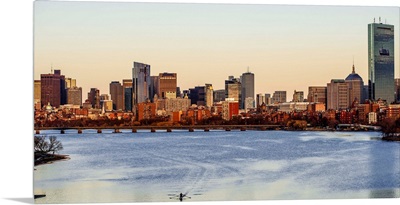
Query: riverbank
{"points": [[45, 158], [394, 137]]}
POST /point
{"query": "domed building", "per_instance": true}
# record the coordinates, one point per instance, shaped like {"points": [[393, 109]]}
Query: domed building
{"points": [[356, 86]]}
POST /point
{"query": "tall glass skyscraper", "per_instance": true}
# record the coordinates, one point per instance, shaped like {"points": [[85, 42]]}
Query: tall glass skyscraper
{"points": [[247, 80], [141, 83], [381, 61]]}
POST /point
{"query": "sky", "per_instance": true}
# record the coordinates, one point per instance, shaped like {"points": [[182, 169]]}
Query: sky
{"points": [[286, 47]]}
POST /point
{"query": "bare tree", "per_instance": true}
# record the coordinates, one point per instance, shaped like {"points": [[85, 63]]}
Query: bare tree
{"points": [[43, 146], [54, 145]]}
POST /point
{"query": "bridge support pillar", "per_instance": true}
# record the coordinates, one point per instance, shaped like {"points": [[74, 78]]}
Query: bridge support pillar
{"points": [[37, 132], [134, 130], [153, 130], [169, 130], [206, 129], [79, 131], [227, 129], [242, 129], [99, 131], [62, 131], [191, 129]]}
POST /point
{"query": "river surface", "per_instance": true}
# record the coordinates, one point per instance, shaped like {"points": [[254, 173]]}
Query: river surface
{"points": [[219, 166]]}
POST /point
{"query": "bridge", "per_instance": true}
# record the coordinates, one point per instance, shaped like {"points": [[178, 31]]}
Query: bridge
{"points": [[190, 128], [359, 126]]}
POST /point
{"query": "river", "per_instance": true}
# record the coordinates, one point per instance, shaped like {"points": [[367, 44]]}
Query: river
{"points": [[219, 166]]}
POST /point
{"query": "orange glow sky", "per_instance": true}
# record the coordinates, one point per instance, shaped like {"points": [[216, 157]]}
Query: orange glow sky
{"points": [[286, 47]]}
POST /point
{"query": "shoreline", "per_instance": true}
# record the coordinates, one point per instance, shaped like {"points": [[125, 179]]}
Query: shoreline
{"points": [[44, 158]]}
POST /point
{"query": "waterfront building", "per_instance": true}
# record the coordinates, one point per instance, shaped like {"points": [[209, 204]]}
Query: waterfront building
{"points": [[381, 61], [247, 86], [278, 97], [337, 94], [317, 94], [372, 118], [167, 83], [316, 107], [219, 95], [176, 104], [393, 111], [233, 89], [146, 110], [107, 105], [230, 108], [74, 95], [209, 96], [298, 96], [52, 89], [116, 92], [141, 84], [356, 86]]}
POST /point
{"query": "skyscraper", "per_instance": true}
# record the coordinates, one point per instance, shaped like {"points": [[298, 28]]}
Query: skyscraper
{"points": [[233, 89], [94, 97], [36, 94], [260, 100], [52, 89], [247, 81], [381, 61], [167, 83], [209, 95], [219, 95], [141, 84], [116, 92], [127, 98], [337, 94], [74, 95]]}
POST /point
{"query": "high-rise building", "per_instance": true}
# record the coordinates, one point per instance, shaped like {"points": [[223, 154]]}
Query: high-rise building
{"points": [[298, 96], [70, 82], [247, 82], [219, 95], [381, 61], [233, 89], [268, 99], [167, 83], [317, 94], [127, 87], [154, 87], [337, 94], [94, 98], [209, 95], [248, 104], [74, 95], [356, 86], [397, 91], [52, 89], [260, 99], [197, 95], [116, 92], [141, 84], [279, 97], [36, 94]]}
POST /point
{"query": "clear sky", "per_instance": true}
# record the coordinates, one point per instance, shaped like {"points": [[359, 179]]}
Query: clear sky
{"points": [[286, 47]]}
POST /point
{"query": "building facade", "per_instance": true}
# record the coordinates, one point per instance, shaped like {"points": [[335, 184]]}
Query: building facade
{"points": [[219, 95], [141, 84], [74, 95], [52, 89], [397, 91], [247, 83], [298, 96], [337, 94], [317, 94], [117, 95], [279, 97], [356, 86], [381, 61], [167, 83], [209, 96], [233, 89], [94, 98], [127, 97]]}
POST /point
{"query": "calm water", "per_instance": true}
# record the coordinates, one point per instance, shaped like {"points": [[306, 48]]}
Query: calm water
{"points": [[219, 166]]}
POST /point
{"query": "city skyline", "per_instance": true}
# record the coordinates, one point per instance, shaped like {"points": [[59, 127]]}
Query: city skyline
{"points": [[270, 39]]}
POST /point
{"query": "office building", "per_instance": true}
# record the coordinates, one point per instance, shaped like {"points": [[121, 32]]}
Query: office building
{"points": [[167, 83], [74, 95], [116, 92], [247, 83], [36, 94], [94, 98], [70, 83], [356, 88], [298, 96], [127, 98], [337, 94], [197, 95], [219, 95], [209, 96], [381, 61], [52, 89], [317, 94], [141, 84], [279, 97], [260, 100], [268, 99], [233, 89]]}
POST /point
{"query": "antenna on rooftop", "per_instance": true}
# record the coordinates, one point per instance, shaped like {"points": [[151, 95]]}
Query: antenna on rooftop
{"points": [[379, 19], [51, 68], [248, 69], [374, 19]]}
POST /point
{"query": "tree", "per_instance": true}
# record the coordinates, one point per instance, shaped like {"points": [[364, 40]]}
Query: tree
{"points": [[43, 146]]}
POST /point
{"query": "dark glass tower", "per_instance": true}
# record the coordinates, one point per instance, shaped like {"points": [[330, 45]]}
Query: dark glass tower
{"points": [[381, 61]]}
